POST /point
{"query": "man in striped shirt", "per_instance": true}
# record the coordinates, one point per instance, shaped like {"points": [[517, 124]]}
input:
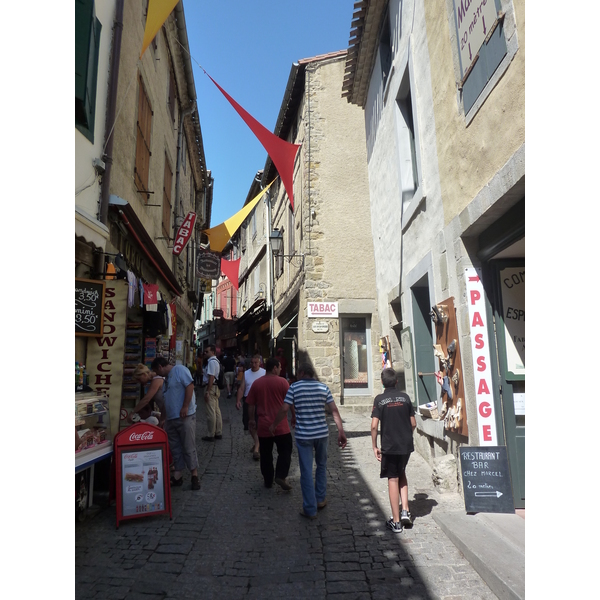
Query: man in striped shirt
{"points": [[310, 398]]}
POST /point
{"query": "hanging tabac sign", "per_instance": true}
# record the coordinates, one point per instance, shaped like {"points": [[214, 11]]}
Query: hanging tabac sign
{"points": [[184, 233], [208, 264]]}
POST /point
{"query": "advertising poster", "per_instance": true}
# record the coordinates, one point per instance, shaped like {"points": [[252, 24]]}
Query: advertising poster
{"points": [[513, 302], [143, 482]]}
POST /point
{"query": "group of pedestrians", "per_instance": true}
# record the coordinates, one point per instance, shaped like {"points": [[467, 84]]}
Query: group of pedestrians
{"points": [[265, 398]]}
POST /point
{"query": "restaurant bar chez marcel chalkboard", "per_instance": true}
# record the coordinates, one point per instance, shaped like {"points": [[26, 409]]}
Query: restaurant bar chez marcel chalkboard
{"points": [[89, 307]]}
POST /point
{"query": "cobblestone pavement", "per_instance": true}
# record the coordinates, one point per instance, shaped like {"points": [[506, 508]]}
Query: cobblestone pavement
{"points": [[236, 539]]}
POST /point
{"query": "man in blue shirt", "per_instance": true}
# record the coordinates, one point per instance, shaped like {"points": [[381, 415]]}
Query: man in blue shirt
{"points": [[180, 406], [310, 398]]}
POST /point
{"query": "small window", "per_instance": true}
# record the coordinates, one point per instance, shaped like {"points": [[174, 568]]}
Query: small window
{"points": [[253, 223], [407, 141], [385, 50], [87, 45], [168, 184], [291, 232], [279, 257]]}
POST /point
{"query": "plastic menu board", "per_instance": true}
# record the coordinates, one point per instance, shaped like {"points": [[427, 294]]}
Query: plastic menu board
{"points": [[141, 469]]}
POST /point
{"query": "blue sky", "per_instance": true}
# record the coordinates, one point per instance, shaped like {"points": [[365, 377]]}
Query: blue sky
{"points": [[248, 48]]}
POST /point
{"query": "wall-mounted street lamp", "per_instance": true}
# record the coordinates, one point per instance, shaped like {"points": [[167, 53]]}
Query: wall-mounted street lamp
{"points": [[276, 239]]}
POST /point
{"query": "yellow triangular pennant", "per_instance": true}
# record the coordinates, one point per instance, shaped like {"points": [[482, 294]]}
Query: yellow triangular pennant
{"points": [[219, 236], [158, 13]]}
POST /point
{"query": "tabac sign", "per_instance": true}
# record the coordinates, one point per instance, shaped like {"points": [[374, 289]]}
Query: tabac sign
{"points": [[184, 233], [475, 19], [322, 309]]}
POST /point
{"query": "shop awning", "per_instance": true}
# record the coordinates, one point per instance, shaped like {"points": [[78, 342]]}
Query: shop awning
{"points": [[288, 325], [255, 315], [140, 235]]}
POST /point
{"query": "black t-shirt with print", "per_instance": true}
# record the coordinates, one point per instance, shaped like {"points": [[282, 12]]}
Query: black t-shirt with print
{"points": [[394, 410]]}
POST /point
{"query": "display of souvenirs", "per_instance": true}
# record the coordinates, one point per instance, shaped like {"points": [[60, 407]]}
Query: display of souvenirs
{"points": [[91, 421]]}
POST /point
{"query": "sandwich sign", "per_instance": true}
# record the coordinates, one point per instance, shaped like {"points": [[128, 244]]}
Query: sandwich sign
{"points": [[184, 233]]}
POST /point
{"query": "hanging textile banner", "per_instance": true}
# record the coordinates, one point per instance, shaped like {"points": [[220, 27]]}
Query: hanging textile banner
{"points": [[231, 269], [184, 233], [282, 153], [158, 13], [219, 236]]}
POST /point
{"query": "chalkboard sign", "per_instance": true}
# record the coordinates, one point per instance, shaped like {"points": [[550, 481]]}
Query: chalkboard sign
{"points": [[486, 479], [89, 307]]}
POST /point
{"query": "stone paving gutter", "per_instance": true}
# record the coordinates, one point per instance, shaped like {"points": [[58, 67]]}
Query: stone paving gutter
{"points": [[236, 539]]}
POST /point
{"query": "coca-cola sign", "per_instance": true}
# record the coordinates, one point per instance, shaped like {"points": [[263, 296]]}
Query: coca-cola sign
{"points": [[184, 233], [141, 437]]}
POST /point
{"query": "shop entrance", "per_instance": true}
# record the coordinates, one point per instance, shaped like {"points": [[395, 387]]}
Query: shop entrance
{"points": [[508, 281]]}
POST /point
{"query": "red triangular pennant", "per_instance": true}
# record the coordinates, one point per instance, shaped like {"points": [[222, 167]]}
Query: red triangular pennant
{"points": [[231, 270], [282, 153]]}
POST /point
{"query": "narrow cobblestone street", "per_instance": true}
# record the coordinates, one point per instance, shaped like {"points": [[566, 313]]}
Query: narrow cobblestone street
{"points": [[236, 539]]}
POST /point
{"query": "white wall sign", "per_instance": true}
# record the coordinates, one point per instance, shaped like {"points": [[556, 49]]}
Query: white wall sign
{"points": [[474, 19], [322, 309], [320, 326], [519, 401], [480, 348]]}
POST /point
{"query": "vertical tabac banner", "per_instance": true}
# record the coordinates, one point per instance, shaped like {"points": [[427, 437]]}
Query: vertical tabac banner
{"points": [[106, 354]]}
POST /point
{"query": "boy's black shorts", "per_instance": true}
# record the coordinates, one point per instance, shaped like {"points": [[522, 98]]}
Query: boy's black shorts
{"points": [[393, 465]]}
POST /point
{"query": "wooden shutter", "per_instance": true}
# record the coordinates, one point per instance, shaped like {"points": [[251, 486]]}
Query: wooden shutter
{"points": [[168, 183], [142, 149]]}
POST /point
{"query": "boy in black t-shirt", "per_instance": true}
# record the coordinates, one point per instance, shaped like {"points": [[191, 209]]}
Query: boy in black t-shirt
{"points": [[397, 416]]}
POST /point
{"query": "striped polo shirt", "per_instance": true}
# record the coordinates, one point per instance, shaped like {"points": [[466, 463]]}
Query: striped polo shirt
{"points": [[309, 397]]}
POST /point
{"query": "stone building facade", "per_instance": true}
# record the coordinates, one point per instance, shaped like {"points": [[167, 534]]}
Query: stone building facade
{"points": [[326, 263], [442, 89]]}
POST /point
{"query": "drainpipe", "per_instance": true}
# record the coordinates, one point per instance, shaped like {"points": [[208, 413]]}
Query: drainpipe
{"points": [[180, 151], [110, 111]]}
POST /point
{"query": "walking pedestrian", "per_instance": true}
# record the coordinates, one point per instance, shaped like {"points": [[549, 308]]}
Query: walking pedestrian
{"points": [[250, 376], [311, 398], [214, 421], [397, 416], [265, 399], [180, 406], [229, 371]]}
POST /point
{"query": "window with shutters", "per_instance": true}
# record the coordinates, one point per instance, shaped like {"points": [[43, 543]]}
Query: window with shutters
{"points": [[87, 45], [167, 185], [142, 148]]}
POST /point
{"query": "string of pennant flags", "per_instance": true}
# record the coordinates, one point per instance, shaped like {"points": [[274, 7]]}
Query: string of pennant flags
{"points": [[282, 153]]}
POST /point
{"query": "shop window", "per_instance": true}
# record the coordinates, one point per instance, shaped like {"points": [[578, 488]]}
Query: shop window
{"points": [[142, 148], [356, 340], [87, 45], [167, 185]]}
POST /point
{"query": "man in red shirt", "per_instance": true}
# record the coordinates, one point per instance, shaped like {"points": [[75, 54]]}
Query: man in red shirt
{"points": [[264, 400]]}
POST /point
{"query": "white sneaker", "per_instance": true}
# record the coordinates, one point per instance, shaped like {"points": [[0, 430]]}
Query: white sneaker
{"points": [[395, 527], [406, 519]]}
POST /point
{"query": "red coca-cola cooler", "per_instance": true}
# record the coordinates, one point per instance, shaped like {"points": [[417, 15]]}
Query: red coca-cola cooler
{"points": [[142, 472]]}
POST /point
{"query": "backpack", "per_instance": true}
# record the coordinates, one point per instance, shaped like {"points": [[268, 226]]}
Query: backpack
{"points": [[221, 376]]}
